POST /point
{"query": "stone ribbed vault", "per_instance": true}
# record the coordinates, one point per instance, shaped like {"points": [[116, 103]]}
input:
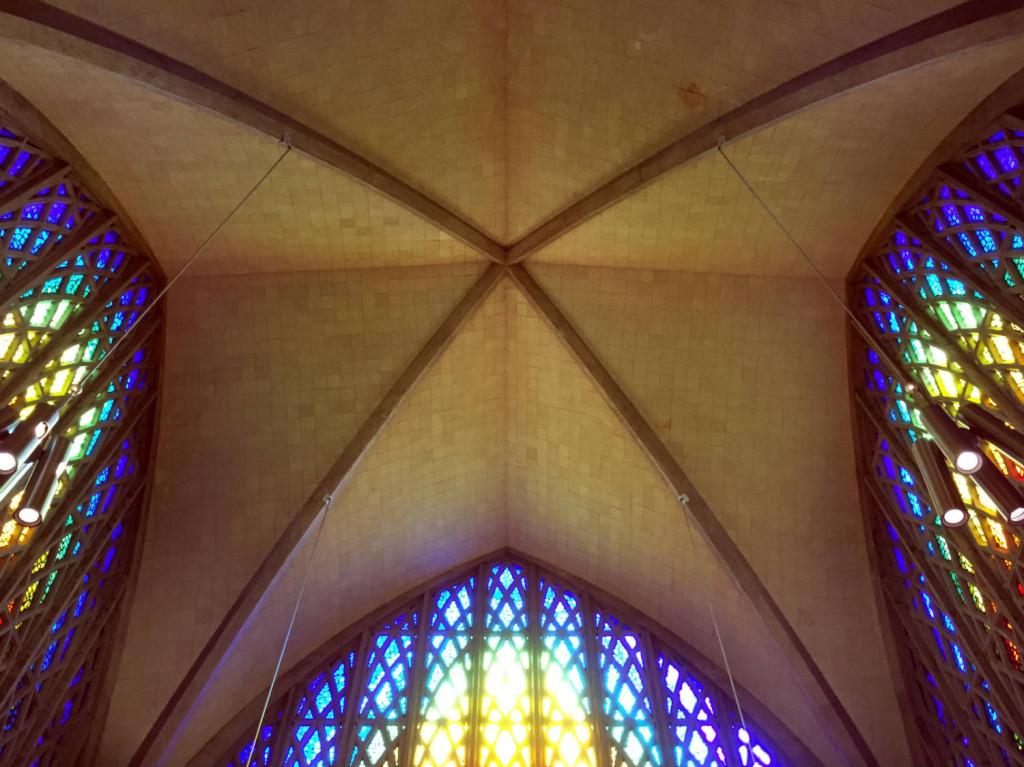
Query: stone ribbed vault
{"points": [[366, 328]]}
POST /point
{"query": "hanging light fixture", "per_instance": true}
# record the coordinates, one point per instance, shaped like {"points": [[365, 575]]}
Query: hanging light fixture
{"points": [[991, 428], [941, 489], [958, 445], [26, 436], [42, 483]]}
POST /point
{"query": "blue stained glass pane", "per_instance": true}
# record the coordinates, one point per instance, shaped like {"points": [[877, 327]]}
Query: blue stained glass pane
{"points": [[691, 718], [19, 163], [56, 211], [19, 238], [41, 239], [312, 747], [966, 242], [986, 166], [384, 702], [625, 700], [974, 213], [506, 607], [1004, 156]]}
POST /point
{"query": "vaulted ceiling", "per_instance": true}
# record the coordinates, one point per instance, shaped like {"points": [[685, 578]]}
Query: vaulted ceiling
{"points": [[347, 332]]}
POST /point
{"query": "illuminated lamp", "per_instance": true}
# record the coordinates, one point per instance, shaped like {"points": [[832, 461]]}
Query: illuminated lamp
{"points": [[958, 445], [41, 484], [991, 428], [25, 437], [941, 488]]}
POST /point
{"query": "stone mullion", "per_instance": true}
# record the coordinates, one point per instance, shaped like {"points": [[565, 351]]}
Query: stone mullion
{"points": [[476, 684], [995, 586], [15, 196], [595, 688], [17, 667], [18, 579], [58, 684], [99, 385], [991, 201], [913, 534], [92, 309], [656, 696], [970, 273], [37, 271], [535, 649], [286, 727], [953, 694], [1009, 406], [974, 645], [407, 740], [926, 653], [350, 722]]}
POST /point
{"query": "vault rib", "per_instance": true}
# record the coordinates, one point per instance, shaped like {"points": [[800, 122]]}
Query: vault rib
{"points": [[825, 704], [944, 34], [159, 742], [51, 28]]}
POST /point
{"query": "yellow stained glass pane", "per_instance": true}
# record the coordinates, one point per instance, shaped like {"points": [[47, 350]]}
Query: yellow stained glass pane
{"points": [[7, 533], [70, 354], [948, 384], [6, 340], [568, 740], [30, 592], [995, 529], [1017, 381], [21, 352], [928, 379], [441, 740], [39, 313], [505, 703], [970, 315], [979, 601], [60, 384], [1001, 348], [63, 310]]}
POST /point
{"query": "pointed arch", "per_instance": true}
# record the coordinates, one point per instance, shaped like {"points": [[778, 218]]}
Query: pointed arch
{"points": [[508, 658]]}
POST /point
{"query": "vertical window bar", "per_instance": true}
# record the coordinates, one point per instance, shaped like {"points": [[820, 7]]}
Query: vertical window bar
{"points": [[286, 726], [408, 739], [477, 642], [533, 643], [656, 692], [595, 685], [347, 741]]}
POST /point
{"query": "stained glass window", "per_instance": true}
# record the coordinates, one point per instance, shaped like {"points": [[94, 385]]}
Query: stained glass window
{"points": [[506, 665], [942, 301], [71, 286]]}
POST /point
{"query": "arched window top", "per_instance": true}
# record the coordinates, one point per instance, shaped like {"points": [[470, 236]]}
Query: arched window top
{"points": [[940, 299], [505, 664], [71, 288]]}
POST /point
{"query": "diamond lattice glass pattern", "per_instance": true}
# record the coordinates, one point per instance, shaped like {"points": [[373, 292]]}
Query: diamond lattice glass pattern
{"points": [[71, 286], [507, 666], [942, 301]]}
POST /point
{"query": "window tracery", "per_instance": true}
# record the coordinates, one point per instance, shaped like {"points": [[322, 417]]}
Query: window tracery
{"points": [[942, 296], [71, 286], [505, 665]]}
